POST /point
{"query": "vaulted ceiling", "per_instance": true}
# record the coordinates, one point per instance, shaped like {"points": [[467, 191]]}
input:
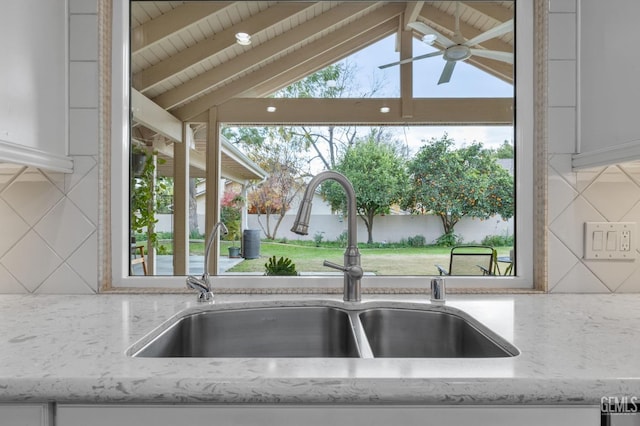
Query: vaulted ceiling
{"points": [[184, 55], [185, 58]]}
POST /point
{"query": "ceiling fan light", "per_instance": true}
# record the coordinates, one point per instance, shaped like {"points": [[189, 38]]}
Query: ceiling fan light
{"points": [[243, 39], [429, 39], [457, 53]]}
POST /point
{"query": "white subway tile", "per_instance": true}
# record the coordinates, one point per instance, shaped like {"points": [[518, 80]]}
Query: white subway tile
{"points": [[562, 130], [562, 6], [562, 36], [83, 37], [562, 84], [83, 85], [83, 131], [83, 6]]}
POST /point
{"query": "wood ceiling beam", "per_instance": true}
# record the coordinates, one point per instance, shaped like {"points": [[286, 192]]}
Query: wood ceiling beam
{"points": [[149, 114], [411, 13], [426, 111], [254, 57], [437, 18], [385, 15], [498, 69], [308, 67], [158, 29], [406, 74], [191, 56], [491, 9]]}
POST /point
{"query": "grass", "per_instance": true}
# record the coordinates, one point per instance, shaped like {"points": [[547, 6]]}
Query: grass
{"points": [[381, 261], [378, 259]]}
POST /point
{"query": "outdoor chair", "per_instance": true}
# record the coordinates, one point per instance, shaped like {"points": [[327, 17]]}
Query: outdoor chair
{"points": [[470, 260], [137, 250]]}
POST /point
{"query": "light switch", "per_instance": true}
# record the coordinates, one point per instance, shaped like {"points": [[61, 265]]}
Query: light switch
{"points": [[597, 240], [612, 240]]}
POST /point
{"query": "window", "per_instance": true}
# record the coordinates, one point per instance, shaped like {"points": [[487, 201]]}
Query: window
{"points": [[120, 131]]}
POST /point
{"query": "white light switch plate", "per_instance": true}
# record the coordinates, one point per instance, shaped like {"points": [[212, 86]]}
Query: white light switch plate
{"points": [[610, 240]]}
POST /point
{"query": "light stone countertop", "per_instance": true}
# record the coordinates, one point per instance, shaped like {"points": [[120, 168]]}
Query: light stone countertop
{"points": [[574, 350]]}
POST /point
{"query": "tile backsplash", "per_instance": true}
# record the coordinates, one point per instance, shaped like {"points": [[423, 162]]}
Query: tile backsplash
{"points": [[604, 194], [48, 238]]}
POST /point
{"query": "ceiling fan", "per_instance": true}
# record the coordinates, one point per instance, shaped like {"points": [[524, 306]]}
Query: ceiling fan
{"points": [[458, 48]]}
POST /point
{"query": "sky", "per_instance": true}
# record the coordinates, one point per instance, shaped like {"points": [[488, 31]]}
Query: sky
{"points": [[466, 81]]}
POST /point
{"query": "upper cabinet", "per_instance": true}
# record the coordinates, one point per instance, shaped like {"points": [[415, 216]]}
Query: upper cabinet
{"points": [[34, 84], [608, 83]]}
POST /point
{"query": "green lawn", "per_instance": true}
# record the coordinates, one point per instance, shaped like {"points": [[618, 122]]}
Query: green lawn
{"points": [[381, 261], [308, 258]]}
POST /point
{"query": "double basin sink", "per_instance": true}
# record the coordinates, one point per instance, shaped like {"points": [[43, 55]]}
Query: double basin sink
{"points": [[323, 329]]}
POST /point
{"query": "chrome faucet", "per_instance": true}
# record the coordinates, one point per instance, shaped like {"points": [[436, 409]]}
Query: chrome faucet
{"points": [[203, 284], [352, 269]]}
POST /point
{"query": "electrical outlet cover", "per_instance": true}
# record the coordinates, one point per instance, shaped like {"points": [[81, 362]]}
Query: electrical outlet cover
{"points": [[610, 240]]}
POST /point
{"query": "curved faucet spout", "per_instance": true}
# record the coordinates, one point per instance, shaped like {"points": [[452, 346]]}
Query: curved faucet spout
{"points": [[203, 284], [352, 270]]}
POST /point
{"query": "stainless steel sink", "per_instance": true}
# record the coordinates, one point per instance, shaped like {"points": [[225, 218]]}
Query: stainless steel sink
{"points": [[256, 333], [344, 330], [399, 333]]}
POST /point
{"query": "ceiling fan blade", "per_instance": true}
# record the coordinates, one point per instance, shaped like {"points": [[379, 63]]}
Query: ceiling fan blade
{"points": [[496, 31], [494, 54], [416, 58], [423, 28], [446, 72]]}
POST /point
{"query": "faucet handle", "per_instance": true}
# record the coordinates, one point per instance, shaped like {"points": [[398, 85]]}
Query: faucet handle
{"points": [[354, 271]]}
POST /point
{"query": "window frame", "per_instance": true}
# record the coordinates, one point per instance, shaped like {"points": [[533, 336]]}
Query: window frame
{"points": [[116, 262]]}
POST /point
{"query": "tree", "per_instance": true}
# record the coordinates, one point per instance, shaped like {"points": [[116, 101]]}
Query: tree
{"points": [[454, 183], [328, 143], [505, 150], [278, 156], [231, 213], [378, 176]]}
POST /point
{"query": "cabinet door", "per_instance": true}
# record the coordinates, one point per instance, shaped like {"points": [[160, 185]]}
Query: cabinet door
{"points": [[240, 415], [24, 415]]}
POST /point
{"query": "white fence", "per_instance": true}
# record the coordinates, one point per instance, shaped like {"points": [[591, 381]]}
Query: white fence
{"points": [[389, 228]]}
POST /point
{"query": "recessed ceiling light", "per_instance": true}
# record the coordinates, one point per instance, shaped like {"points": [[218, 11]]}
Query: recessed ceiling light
{"points": [[271, 109], [243, 39], [385, 110]]}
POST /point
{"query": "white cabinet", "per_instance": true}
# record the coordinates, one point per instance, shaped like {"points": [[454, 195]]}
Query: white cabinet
{"points": [[24, 415], [245, 415], [33, 84], [608, 86]]}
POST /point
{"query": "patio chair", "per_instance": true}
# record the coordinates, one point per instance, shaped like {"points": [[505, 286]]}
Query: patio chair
{"points": [[137, 250], [470, 260]]}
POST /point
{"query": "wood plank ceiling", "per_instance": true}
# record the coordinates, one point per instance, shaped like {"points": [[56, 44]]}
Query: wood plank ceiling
{"points": [[185, 58]]}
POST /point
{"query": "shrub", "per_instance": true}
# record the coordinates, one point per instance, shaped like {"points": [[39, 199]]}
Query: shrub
{"points": [[342, 239], [448, 240], [417, 241], [498, 240], [282, 266], [317, 238], [195, 234]]}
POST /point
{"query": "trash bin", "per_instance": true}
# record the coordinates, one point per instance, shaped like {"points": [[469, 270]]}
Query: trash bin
{"points": [[251, 243]]}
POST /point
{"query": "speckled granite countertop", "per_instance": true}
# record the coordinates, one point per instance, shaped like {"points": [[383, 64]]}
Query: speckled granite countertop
{"points": [[574, 350]]}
